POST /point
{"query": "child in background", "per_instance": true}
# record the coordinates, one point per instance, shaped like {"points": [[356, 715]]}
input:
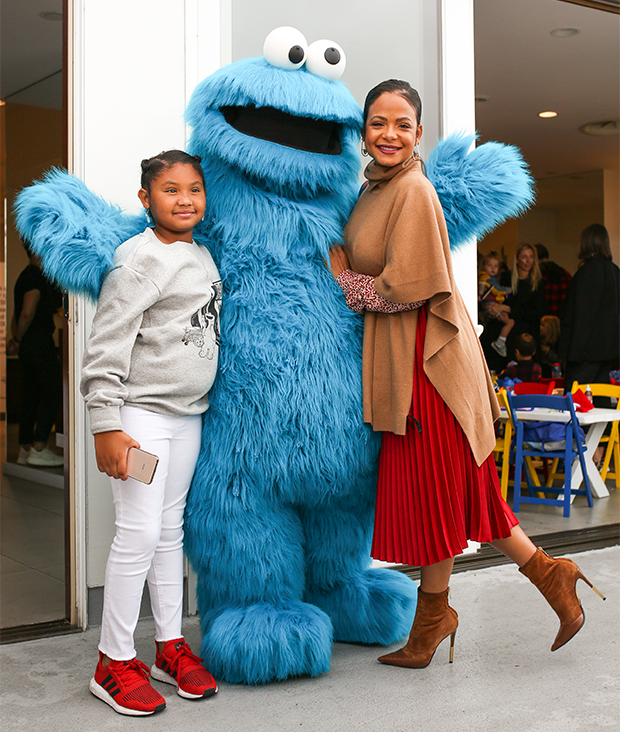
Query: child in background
{"points": [[148, 367], [490, 291], [549, 342], [524, 368]]}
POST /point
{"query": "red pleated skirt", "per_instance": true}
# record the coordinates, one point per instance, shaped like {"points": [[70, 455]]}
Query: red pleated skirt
{"points": [[431, 495]]}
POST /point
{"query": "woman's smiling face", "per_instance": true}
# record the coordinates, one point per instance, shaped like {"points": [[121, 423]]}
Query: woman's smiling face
{"points": [[392, 130]]}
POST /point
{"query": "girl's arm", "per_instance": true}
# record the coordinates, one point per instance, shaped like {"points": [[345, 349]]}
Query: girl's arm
{"points": [[360, 294]]}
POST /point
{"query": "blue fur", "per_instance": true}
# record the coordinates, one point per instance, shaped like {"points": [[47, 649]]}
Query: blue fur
{"points": [[279, 516], [74, 232], [480, 189]]}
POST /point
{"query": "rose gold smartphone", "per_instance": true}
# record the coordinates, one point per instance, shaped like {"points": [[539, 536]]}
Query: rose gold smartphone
{"points": [[141, 465]]}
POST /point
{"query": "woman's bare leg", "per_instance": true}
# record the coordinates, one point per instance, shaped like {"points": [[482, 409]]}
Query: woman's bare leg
{"points": [[517, 546], [436, 577]]}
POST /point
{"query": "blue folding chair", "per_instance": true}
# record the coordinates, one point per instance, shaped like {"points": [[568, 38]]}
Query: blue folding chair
{"points": [[571, 448]]}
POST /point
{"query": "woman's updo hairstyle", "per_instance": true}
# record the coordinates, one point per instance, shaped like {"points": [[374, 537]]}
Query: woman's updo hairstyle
{"points": [[152, 167], [394, 86]]}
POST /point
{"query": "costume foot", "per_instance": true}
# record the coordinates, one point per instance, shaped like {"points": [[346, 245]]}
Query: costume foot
{"points": [[376, 606], [263, 642]]}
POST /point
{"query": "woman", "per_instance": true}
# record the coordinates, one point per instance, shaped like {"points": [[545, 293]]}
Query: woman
{"points": [[426, 386], [589, 340], [526, 303]]}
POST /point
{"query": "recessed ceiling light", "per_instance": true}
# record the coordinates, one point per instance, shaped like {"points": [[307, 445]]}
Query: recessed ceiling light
{"points": [[601, 129], [565, 32], [547, 115], [50, 15]]}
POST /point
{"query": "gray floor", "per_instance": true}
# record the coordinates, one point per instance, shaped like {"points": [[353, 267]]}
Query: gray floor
{"points": [[503, 677]]}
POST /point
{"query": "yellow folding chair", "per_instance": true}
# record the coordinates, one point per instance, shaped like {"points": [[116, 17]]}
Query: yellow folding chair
{"points": [[613, 447], [502, 449], [502, 445]]}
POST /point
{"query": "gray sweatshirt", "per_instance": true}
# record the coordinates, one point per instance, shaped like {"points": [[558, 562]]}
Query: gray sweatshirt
{"points": [[155, 338]]}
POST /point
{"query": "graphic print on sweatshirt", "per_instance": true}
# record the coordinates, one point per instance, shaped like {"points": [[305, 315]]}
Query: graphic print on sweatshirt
{"points": [[204, 332]]}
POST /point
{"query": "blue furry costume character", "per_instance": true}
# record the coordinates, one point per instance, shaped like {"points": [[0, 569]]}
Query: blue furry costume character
{"points": [[279, 515]]}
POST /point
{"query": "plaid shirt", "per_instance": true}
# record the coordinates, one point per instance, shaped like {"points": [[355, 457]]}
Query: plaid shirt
{"points": [[556, 280], [525, 370]]}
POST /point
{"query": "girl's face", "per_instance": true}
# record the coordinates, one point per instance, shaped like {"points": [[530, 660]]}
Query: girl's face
{"points": [[177, 202], [525, 261], [391, 130], [492, 267]]}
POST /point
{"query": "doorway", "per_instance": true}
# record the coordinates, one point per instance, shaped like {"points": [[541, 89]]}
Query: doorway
{"points": [[35, 571]]}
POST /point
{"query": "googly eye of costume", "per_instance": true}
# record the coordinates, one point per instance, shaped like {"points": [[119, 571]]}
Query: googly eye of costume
{"points": [[287, 48]]}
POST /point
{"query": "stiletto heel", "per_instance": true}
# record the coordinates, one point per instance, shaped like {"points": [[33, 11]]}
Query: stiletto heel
{"points": [[587, 581], [557, 579], [434, 621]]}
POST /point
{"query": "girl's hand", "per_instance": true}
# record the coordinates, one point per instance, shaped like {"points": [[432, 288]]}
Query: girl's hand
{"points": [[338, 260], [111, 450]]}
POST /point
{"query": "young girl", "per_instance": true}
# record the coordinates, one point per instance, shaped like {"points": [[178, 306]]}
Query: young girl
{"points": [[490, 291], [148, 366]]}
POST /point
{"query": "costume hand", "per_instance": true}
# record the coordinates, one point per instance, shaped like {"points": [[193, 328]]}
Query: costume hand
{"points": [[111, 450], [338, 260]]}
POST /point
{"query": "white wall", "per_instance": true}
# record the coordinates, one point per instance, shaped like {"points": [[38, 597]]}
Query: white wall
{"points": [[611, 183], [135, 64]]}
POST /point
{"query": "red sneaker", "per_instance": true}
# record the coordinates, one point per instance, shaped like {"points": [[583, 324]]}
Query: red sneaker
{"points": [[177, 665], [124, 685]]}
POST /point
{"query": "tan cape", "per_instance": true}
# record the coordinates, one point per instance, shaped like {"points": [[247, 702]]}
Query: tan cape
{"points": [[397, 233]]}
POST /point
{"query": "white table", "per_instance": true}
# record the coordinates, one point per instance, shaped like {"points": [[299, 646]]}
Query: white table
{"points": [[594, 423]]}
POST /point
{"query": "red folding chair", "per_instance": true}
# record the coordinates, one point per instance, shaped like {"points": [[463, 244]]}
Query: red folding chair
{"points": [[533, 387]]}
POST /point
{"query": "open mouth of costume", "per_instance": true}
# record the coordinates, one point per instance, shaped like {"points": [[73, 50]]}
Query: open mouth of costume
{"points": [[274, 125]]}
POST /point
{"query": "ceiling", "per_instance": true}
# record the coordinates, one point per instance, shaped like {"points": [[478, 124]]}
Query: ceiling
{"points": [[521, 70]]}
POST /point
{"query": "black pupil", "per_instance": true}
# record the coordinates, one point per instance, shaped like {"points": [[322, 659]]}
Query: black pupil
{"points": [[332, 56], [296, 54]]}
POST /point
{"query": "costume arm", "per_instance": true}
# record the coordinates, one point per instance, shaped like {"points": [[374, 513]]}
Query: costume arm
{"points": [[125, 296], [360, 294]]}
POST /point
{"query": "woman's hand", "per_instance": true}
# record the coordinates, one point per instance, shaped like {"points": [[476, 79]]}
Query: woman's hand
{"points": [[338, 260], [111, 450]]}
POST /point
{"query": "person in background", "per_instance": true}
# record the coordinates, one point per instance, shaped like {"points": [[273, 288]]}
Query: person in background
{"points": [[490, 291], [32, 330], [526, 302], [524, 368], [549, 343], [556, 279], [589, 339]]}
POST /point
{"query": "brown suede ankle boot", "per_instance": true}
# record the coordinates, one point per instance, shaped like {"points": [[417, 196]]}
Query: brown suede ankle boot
{"points": [[557, 580], [434, 621]]}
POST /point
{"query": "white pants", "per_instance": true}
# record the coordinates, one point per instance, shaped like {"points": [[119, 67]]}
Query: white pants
{"points": [[149, 533]]}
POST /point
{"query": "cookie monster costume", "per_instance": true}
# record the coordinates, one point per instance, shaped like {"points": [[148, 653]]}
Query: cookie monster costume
{"points": [[279, 516]]}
